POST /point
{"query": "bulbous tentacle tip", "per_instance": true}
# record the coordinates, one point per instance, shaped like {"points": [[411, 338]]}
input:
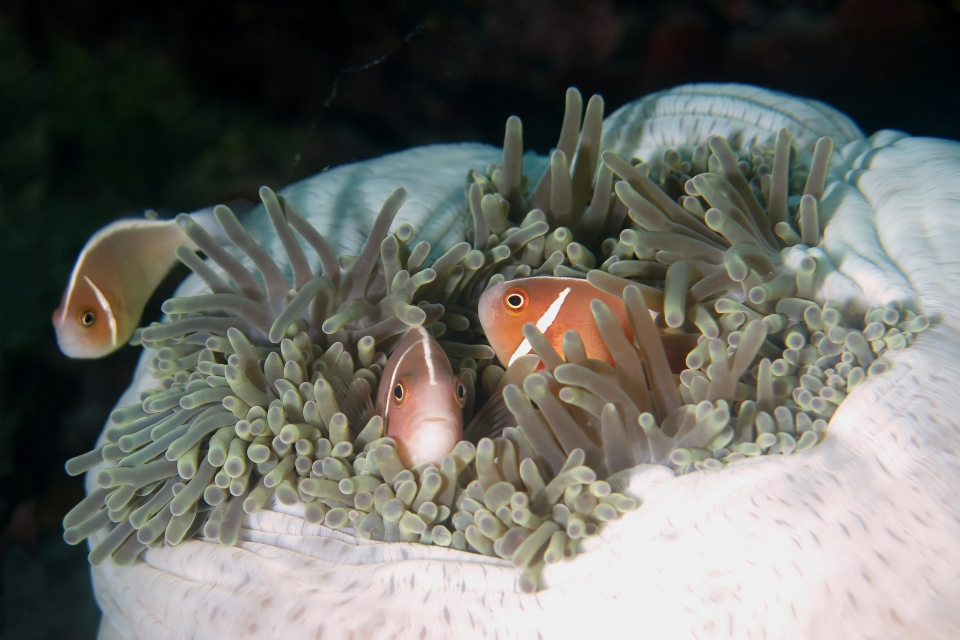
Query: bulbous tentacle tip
{"points": [[710, 248]]}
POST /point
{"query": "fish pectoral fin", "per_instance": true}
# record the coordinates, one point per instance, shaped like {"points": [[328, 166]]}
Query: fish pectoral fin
{"points": [[490, 421]]}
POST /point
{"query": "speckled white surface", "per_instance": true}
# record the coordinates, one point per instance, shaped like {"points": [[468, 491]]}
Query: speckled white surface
{"points": [[855, 538]]}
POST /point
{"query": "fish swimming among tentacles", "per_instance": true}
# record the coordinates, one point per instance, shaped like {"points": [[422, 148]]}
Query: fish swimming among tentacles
{"points": [[557, 305], [421, 400], [117, 271]]}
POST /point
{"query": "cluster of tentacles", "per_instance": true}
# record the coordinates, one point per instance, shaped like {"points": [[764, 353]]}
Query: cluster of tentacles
{"points": [[265, 393], [721, 247], [264, 387]]}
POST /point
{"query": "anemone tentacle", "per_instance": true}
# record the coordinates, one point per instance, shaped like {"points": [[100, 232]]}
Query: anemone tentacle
{"points": [[710, 231]]}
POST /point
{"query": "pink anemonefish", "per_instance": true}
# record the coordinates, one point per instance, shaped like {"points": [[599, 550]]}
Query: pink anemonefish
{"points": [[116, 273], [421, 400], [557, 305]]}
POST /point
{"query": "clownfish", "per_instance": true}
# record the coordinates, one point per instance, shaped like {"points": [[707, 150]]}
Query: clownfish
{"points": [[115, 275], [421, 400], [557, 305]]}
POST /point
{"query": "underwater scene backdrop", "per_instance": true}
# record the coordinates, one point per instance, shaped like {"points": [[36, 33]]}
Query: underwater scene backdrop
{"points": [[108, 110]]}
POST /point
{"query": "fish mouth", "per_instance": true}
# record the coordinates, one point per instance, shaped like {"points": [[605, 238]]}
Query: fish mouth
{"points": [[75, 350], [435, 434]]}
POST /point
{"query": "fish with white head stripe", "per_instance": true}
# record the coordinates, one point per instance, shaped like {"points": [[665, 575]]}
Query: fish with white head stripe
{"points": [[421, 400]]}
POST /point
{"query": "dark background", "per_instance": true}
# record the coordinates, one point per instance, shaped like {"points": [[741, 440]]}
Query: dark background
{"points": [[108, 108]]}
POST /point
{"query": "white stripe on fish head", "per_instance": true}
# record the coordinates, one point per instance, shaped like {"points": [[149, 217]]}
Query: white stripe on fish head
{"points": [[105, 304], [428, 354], [71, 286], [393, 380], [543, 323]]}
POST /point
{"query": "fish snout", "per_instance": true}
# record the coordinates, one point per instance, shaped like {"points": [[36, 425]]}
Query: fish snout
{"points": [[487, 307], [80, 350], [71, 342], [430, 435], [489, 310]]}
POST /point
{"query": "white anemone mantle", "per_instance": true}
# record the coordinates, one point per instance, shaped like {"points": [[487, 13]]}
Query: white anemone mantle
{"points": [[855, 538]]}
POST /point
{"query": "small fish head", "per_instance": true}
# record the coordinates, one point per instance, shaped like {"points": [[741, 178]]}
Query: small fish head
{"points": [[85, 323], [504, 308], [507, 306], [421, 400]]}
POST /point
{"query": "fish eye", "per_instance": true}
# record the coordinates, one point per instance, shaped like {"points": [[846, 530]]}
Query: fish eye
{"points": [[398, 393], [87, 317], [515, 300], [461, 393]]}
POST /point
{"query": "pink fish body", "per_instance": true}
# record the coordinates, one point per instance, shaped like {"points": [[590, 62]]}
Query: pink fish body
{"points": [[112, 280], [421, 400], [115, 275]]}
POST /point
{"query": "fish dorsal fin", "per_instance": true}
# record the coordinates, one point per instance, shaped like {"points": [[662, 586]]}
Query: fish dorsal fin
{"points": [[353, 396], [359, 409], [491, 420]]}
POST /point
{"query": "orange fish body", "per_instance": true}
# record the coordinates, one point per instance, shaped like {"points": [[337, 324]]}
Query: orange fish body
{"points": [[555, 305], [421, 400]]}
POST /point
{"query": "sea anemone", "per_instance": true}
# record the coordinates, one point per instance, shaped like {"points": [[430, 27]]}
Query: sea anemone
{"points": [[700, 250], [232, 425]]}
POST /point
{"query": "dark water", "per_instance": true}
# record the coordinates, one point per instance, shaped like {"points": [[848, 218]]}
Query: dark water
{"points": [[107, 109]]}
